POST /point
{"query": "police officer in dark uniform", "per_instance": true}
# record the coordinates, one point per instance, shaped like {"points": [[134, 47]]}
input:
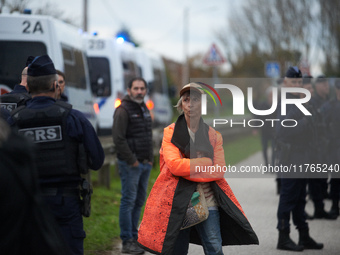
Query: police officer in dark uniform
{"points": [[267, 130], [19, 95], [294, 145], [318, 186], [331, 113], [59, 133], [307, 84]]}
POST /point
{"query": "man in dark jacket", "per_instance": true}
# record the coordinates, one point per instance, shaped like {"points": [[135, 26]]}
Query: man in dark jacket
{"points": [[60, 134], [132, 136], [295, 145]]}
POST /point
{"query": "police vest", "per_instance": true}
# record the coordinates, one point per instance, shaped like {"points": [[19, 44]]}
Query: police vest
{"points": [[139, 130], [46, 127], [11, 101]]}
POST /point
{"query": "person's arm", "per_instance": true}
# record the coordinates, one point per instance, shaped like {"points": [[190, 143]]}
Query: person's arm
{"points": [[81, 129], [184, 167], [216, 172], [119, 128]]}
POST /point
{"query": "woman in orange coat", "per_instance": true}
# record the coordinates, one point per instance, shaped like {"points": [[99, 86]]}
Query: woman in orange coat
{"points": [[188, 145]]}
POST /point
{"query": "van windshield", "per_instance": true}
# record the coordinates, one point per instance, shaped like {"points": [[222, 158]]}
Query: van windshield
{"points": [[99, 69], [13, 55]]}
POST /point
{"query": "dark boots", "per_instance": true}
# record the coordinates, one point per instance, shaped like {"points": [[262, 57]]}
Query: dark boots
{"points": [[285, 243], [131, 247], [320, 213], [335, 208], [307, 242]]}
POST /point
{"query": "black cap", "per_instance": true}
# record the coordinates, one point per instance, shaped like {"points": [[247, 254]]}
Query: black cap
{"points": [[306, 79], [41, 66], [293, 72], [29, 60], [321, 78]]}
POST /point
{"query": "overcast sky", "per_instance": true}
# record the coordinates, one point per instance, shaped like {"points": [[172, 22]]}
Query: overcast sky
{"points": [[156, 24], [159, 24]]}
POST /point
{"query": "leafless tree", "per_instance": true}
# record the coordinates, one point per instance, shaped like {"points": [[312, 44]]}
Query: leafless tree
{"points": [[279, 30], [46, 8], [15, 5], [329, 39]]}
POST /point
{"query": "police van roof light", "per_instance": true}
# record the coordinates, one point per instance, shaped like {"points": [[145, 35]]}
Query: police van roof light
{"points": [[27, 11], [120, 39]]}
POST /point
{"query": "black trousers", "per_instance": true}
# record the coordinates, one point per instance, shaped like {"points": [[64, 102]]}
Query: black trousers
{"points": [[67, 212], [292, 201]]}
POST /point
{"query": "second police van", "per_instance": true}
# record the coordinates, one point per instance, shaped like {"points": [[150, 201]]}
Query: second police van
{"points": [[112, 65]]}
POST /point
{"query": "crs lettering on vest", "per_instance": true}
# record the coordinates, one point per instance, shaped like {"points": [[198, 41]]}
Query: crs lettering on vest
{"points": [[43, 134], [9, 106]]}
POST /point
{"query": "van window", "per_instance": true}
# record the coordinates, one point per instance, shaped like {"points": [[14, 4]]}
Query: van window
{"points": [[100, 78], [157, 85], [13, 55], [74, 67], [130, 72]]}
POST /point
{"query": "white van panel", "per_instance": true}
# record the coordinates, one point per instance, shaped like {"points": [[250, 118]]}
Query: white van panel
{"points": [[105, 51]]}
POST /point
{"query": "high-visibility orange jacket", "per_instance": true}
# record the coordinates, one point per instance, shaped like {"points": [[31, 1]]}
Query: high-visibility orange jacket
{"points": [[168, 200]]}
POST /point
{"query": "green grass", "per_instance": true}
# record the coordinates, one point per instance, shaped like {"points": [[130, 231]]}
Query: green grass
{"points": [[102, 227], [241, 148]]}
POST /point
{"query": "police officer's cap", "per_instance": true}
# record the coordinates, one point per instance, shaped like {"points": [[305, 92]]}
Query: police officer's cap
{"points": [[293, 72], [41, 66], [29, 60]]}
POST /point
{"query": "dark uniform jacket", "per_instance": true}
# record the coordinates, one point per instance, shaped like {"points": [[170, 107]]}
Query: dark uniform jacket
{"points": [[331, 113], [75, 129], [17, 97], [296, 144]]}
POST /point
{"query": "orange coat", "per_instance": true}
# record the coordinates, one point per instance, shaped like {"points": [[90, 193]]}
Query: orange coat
{"points": [[168, 200]]}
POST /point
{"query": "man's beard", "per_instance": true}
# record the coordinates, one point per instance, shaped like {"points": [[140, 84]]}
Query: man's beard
{"points": [[138, 99]]}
